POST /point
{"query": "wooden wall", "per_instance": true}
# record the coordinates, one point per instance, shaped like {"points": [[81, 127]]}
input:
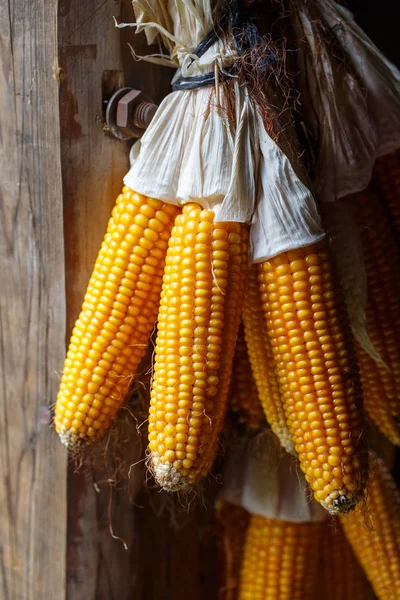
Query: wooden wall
{"points": [[33, 503]]}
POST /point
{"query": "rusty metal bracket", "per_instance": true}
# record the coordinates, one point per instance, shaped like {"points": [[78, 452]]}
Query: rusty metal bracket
{"points": [[128, 113]]}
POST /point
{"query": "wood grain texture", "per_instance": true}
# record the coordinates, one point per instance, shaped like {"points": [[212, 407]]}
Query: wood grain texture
{"points": [[175, 546], [32, 306], [95, 55], [93, 165]]}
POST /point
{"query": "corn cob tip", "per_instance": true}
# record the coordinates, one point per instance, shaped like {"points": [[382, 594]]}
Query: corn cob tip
{"points": [[341, 504], [71, 440], [167, 476]]}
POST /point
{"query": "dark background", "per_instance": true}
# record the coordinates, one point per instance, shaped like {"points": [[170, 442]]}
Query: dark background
{"points": [[379, 19]]}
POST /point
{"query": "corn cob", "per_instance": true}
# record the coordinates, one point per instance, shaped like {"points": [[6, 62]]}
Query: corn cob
{"points": [[306, 319], [375, 535], [243, 396], [232, 523], [262, 363], [381, 382], [280, 560], [117, 317], [340, 575], [387, 180], [199, 317]]}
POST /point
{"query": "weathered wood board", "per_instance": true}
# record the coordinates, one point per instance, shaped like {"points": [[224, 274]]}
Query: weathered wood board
{"points": [[95, 60], [33, 464], [93, 165]]}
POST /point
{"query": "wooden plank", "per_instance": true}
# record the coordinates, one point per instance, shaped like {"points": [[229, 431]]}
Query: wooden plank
{"points": [[93, 166], [175, 547], [32, 305], [102, 525], [92, 57], [95, 55]]}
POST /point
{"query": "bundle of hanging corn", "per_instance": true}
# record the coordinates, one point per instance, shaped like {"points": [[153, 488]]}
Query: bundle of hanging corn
{"points": [[236, 207], [273, 553]]}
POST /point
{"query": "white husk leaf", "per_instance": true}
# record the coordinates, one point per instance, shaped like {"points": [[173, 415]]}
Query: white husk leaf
{"points": [[181, 24], [262, 478], [345, 242], [191, 152], [286, 215], [210, 146]]}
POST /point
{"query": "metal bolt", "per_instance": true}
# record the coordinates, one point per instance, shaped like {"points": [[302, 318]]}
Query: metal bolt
{"points": [[143, 114], [128, 113]]}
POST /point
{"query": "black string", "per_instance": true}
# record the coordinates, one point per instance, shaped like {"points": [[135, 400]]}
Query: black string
{"points": [[205, 44], [245, 36], [198, 81]]}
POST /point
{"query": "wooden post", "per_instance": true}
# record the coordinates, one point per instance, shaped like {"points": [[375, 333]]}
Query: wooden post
{"points": [[32, 305]]}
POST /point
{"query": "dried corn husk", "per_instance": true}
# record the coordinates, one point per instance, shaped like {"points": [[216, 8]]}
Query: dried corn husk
{"points": [[336, 109], [346, 247], [189, 128], [262, 478], [210, 146], [351, 95], [378, 77]]}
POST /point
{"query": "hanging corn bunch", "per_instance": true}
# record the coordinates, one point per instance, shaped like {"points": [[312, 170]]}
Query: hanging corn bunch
{"points": [[340, 575], [280, 560], [223, 225], [207, 259], [375, 536], [381, 378]]}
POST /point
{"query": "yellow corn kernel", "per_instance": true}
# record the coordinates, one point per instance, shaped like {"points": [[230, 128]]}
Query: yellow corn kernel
{"points": [[280, 560], [262, 362], [374, 534], [244, 401], [340, 575], [307, 323], [381, 383], [387, 181], [232, 522], [118, 315], [201, 301]]}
